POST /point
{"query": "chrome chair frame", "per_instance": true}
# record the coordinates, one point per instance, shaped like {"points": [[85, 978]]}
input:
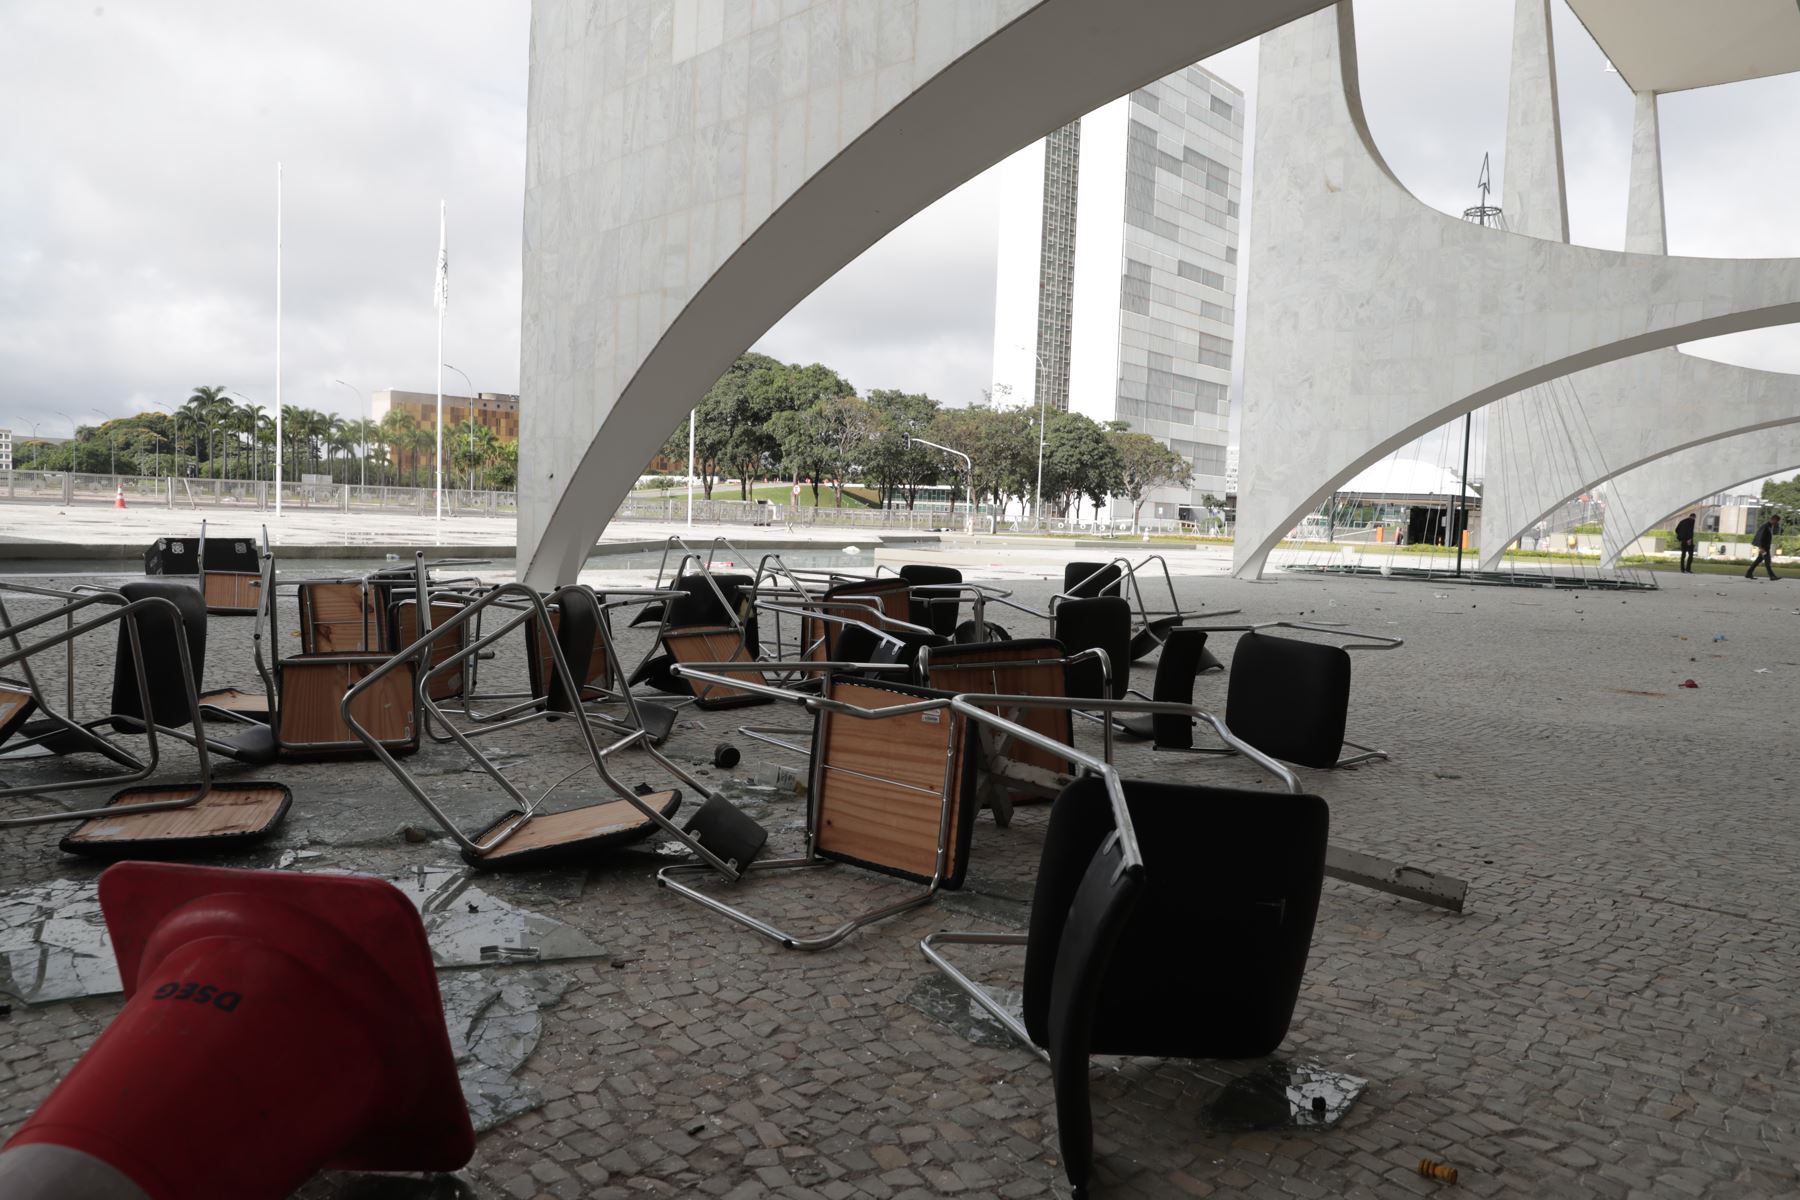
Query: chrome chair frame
{"points": [[533, 606], [671, 876], [126, 611]]}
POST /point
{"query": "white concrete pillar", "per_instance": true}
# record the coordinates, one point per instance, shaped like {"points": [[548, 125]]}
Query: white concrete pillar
{"points": [[1645, 230], [1536, 197]]}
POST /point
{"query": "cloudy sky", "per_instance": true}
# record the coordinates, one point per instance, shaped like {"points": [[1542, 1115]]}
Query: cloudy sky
{"points": [[137, 196]]}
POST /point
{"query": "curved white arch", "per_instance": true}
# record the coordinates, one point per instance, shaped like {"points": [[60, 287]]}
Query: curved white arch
{"points": [[1650, 409], [1374, 318], [682, 193], [1642, 499], [1609, 419]]}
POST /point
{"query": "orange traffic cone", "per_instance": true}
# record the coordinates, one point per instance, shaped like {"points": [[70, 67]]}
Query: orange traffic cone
{"points": [[119, 497]]}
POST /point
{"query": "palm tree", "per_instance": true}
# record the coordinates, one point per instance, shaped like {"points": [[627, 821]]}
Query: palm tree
{"points": [[211, 407], [397, 431], [340, 435]]}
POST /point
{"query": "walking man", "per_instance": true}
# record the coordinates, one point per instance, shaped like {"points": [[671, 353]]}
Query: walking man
{"points": [[1764, 541], [1684, 536]]}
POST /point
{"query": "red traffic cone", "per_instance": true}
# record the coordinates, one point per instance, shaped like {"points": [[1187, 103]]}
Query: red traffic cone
{"points": [[274, 1024], [119, 497]]}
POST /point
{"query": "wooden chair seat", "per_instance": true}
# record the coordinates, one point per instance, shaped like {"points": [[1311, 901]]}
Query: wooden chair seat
{"points": [[228, 817], [237, 700], [571, 835], [715, 643], [16, 705]]}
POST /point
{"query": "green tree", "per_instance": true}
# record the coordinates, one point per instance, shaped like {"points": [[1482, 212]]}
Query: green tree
{"points": [[1784, 495], [1079, 461], [889, 462], [1001, 444], [1145, 464], [823, 441]]}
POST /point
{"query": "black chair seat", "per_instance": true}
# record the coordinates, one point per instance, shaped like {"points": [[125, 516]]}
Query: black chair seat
{"points": [[254, 744], [970, 634], [936, 613], [1088, 579]]}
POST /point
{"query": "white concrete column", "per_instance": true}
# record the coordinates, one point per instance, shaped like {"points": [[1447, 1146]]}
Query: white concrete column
{"points": [[1645, 230], [1536, 198]]}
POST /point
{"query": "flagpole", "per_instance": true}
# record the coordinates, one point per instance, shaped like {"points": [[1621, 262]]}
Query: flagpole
{"points": [[277, 342], [442, 303], [691, 416]]}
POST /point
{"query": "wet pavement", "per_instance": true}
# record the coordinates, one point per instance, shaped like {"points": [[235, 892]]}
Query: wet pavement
{"points": [[1614, 1014]]}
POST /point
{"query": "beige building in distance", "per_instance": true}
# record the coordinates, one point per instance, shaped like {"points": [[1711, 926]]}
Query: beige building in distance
{"points": [[492, 410]]}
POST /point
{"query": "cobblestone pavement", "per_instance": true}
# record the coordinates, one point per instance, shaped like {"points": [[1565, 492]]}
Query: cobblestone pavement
{"points": [[1616, 1014]]}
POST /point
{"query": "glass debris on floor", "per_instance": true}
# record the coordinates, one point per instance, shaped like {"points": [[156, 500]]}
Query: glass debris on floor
{"points": [[53, 943], [1280, 1094], [949, 1005], [469, 927], [495, 1022]]}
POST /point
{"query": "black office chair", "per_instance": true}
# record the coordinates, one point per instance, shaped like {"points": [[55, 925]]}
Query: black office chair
{"points": [[936, 613], [1184, 658], [1100, 622], [1128, 885]]}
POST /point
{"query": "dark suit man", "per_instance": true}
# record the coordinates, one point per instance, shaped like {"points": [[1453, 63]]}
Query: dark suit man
{"points": [[1764, 541], [1684, 535]]}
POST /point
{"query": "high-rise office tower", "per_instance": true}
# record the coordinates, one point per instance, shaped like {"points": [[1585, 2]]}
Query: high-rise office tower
{"points": [[1117, 271]]}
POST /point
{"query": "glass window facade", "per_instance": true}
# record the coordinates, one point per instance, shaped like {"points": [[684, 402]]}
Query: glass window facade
{"points": [[1056, 264], [1178, 281]]}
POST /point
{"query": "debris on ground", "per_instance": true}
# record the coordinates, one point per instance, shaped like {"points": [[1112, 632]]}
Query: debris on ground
{"points": [[1687, 683]]}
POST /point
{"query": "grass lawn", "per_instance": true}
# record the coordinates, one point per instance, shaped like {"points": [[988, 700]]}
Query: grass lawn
{"points": [[782, 493]]}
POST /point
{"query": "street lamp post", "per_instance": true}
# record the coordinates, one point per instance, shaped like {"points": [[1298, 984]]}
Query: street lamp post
{"points": [[1037, 493], [473, 397], [73, 434], [159, 441], [112, 442], [362, 473], [968, 465]]}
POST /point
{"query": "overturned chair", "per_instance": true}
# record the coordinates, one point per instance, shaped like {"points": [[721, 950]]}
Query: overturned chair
{"points": [[1014, 771], [890, 790], [156, 670], [1288, 697], [530, 833], [147, 614], [1150, 625], [1130, 873]]}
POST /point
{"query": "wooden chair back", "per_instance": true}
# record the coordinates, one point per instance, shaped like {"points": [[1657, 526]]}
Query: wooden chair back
{"points": [[1026, 667], [404, 618], [715, 643], [231, 593], [310, 721], [339, 618], [879, 786], [854, 601], [595, 684]]}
